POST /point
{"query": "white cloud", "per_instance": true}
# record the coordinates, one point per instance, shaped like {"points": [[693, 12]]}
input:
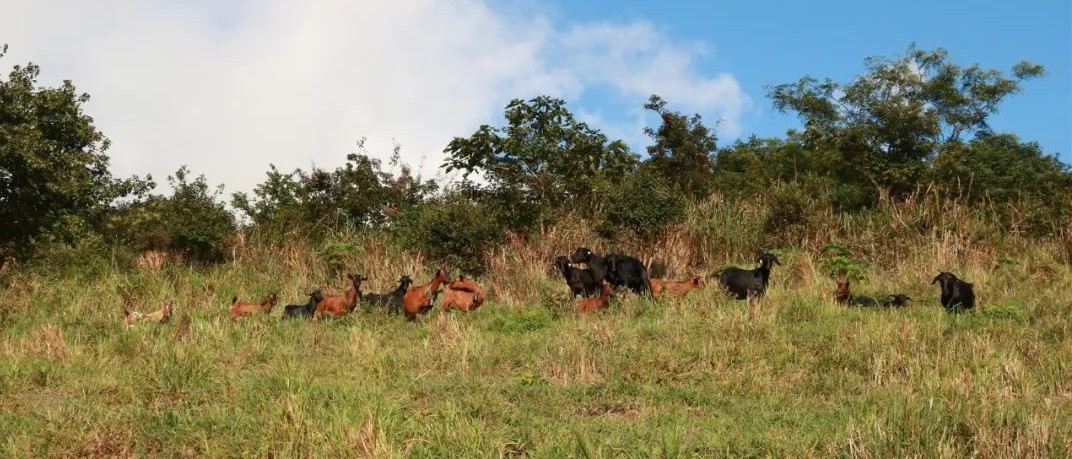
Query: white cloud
{"points": [[229, 88]]}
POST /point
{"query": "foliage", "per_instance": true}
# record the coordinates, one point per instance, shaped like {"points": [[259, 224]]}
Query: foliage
{"points": [[887, 123], [837, 262], [54, 177], [644, 205], [452, 230], [358, 194], [682, 150], [542, 160]]}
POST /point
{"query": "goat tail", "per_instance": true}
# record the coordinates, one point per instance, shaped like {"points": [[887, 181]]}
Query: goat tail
{"points": [[234, 299]]}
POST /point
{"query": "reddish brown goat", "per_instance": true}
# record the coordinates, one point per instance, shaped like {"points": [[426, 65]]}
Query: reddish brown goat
{"points": [[678, 288], [337, 305], [130, 316], [419, 298], [242, 308], [463, 295], [587, 305]]}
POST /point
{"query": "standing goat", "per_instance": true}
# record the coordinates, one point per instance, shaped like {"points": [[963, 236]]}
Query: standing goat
{"points": [[337, 305], [393, 300], [242, 308], [957, 295], [294, 311], [742, 283], [582, 282]]}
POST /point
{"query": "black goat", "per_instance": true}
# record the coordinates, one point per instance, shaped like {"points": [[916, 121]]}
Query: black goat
{"points": [[619, 270], [624, 270], [957, 295], [897, 300], [392, 300], [581, 282], [295, 311], [744, 282]]}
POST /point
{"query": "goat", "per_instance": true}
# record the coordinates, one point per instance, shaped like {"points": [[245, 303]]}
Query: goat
{"points": [[294, 311], [896, 300], [580, 281], [619, 270], [740, 283], [587, 305], [131, 317], [337, 305], [844, 297], [241, 308], [678, 288], [419, 298], [463, 294], [957, 295], [392, 300]]}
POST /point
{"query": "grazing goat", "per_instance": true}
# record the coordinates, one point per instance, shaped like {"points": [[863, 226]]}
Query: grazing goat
{"points": [[587, 305], [844, 297], [581, 282], [896, 300], [742, 283], [678, 288], [419, 298], [619, 270], [957, 295], [337, 305], [131, 317], [393, 300], [463, 295], [241, 308], [294, 311]]}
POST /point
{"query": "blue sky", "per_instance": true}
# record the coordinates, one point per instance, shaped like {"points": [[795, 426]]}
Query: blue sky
{"points": [[228, 88], [771, 42]]}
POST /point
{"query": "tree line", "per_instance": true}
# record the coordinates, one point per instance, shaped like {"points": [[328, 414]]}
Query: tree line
{"points": [[913, 121]]}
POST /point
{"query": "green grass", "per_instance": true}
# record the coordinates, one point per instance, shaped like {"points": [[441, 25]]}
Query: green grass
{"points": [[793, 376]]}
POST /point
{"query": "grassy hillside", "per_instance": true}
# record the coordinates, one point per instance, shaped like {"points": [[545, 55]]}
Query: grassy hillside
{"points": [[793, 375]]}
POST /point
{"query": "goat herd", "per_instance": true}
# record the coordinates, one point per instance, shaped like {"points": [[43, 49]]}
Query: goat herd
{"points": [[594, 283]]}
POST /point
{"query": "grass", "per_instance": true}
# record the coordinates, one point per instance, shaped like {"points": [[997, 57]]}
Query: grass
{"points": [[524, 376]]}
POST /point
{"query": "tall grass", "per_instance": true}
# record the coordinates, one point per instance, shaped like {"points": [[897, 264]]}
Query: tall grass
{"points": [[524, 376]]}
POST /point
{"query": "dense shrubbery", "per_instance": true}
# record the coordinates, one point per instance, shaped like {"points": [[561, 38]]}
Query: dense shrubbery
{"points": [[864, 150]]}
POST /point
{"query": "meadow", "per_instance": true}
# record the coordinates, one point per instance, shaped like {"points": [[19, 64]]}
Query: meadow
{"points": [[792, 375]]}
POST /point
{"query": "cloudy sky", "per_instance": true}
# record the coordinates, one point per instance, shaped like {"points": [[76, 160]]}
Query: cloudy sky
{"points": [[230, 89]]}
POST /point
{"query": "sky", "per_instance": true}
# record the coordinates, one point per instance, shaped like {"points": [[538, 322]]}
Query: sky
{"points": [[228, 88]]}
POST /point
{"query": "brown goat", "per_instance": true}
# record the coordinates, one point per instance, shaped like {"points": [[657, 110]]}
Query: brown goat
{"points": [[463, 295], [130, 316], [587, 305], [678, 288], [242, 308], [337, 305], [419, 298]]}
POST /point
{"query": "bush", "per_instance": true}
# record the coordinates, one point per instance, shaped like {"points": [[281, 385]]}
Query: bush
{"points": [[452, 230], [643, 206]]}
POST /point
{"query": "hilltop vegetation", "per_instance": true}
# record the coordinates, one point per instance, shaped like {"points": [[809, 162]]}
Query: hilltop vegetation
{"points": [[894, 176]]}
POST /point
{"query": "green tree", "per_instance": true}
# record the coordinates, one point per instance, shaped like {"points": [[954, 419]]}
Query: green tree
{"points": [[682, 150], [887, 123], [54, 174], [542, 160]]}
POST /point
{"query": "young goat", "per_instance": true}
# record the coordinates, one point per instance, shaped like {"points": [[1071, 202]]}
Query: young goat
{"points": [[587, 305], [678, 288], [419, 298], [392, 300], [131, 317], [957, 295], [741, 283], [337, 305], [896, 300], [294, 311], [241, 308], [463, 295], [582, 282]]}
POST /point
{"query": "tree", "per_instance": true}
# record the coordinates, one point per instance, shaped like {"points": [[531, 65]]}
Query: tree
{"points": [[887, 123], [682, 151], [543, 159], [359, 193], [52, 163]]}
